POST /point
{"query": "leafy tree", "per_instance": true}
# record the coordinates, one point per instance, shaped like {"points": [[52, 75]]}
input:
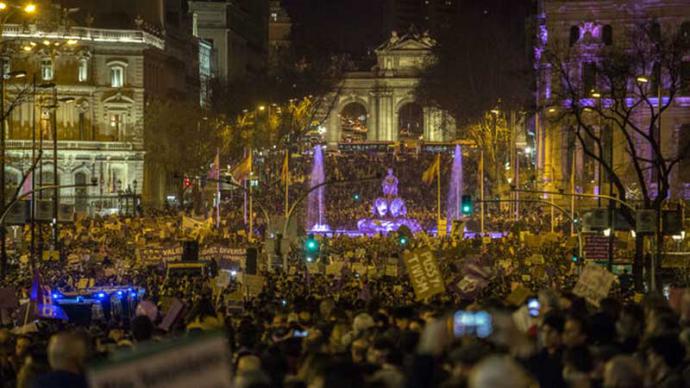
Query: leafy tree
{"points": [[180, 140]]}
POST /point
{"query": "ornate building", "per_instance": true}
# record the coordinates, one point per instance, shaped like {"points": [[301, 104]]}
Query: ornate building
{"points": [[91, 87], [586, 29], [379, 105]]}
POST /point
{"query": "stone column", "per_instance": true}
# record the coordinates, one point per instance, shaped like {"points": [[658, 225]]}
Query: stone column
{"points": [[385, 117], [372, 117]]}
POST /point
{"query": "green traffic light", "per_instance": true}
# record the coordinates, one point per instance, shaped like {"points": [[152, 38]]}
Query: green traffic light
{"points": [[403, 240]]}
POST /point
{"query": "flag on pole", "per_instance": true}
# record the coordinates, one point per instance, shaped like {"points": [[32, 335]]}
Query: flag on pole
{"points": [[242, 170], [432, 171], [27, 186], [285, 171]]}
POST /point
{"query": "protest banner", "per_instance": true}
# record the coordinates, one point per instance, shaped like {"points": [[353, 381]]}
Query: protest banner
{"points": [[391, 270], [594, 283], [424, 273], [193, 361], [518, 296], [157, 255], [359, 268], [51, 255], [253, 284], [334, 268]]}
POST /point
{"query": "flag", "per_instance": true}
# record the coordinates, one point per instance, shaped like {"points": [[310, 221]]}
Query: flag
{"points": [[432, 171], [285, 171], [27, 186], [242, 170], [39, 294], [214, 173]]}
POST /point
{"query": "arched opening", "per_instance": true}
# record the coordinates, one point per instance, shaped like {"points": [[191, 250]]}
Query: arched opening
{"points": [[410, 122], [12, 179], [80, 193], [353, 122], [46, 179]]}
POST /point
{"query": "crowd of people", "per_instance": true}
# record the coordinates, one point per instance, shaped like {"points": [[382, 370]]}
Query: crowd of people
{"points": [[349, 316]]}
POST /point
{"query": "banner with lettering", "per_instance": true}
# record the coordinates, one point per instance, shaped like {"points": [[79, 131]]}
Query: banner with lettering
{"points": [[157, 255], [424, 273], [594, 283], [179, 363]]}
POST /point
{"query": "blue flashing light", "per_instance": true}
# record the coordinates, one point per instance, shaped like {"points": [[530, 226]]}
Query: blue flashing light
{"points": [[133, 295], [119, 293], [56, 295], [101, 295]]}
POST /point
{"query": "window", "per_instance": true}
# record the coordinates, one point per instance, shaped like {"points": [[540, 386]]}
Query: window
{"points": [[589, 77], [116, 125], [6, 66], [47, 69], [607, 35], [117, 76], [274, 16], [574, 35], [655, 32], [685, 78], [83, 70], [656, 78], [684, 167], [685, 33]]}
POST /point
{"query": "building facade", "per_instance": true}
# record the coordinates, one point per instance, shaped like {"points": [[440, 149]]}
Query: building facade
{"points": [[379, 105], [90, 86], [238, 31], [587, 29]]}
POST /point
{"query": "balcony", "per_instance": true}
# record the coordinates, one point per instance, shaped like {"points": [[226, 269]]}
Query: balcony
{"points": [[80, 145], [84, 34]]}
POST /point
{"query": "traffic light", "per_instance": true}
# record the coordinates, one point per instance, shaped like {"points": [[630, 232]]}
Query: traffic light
{"points": [[311, 248], [466, 205], [575, 256], [404, 236], [356, 197], [186, 183]]}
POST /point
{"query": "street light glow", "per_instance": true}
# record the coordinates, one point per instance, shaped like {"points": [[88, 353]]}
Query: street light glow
{"points": [[642, 79], [30, 8], [3, 6], [262, 108], [71, 42]]}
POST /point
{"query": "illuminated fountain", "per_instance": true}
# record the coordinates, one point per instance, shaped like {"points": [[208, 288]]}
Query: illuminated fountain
{"points": [[455, 188], [389, 211], [316, 206]]}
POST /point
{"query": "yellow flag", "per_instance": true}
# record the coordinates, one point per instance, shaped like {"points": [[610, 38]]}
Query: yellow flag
{"points": [[431, 172], [285, 171], [242, 170]]}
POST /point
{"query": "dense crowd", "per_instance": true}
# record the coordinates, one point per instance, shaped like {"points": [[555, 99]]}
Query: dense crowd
{"points": [[307, 328], [351, 317]]}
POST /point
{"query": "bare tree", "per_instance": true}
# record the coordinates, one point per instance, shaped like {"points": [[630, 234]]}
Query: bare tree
{"points": [[612, 96]]}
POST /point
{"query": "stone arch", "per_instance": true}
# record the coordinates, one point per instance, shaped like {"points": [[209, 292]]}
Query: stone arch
{"points": [[410, 123], [353, 120]]}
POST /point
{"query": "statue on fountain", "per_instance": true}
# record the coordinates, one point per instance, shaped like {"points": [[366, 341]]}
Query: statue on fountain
{"points": [[389, 211]]}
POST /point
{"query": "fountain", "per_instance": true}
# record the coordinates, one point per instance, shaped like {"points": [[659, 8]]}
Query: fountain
{"points": [[316, 206], [389, 211], [455, 188]]}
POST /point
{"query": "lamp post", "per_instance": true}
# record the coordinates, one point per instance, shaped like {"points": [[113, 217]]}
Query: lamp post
{"points": [[6, 10], [659, 237]]}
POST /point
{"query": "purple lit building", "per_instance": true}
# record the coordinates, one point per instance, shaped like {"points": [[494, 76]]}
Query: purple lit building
{"points": [[579, 34]]}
